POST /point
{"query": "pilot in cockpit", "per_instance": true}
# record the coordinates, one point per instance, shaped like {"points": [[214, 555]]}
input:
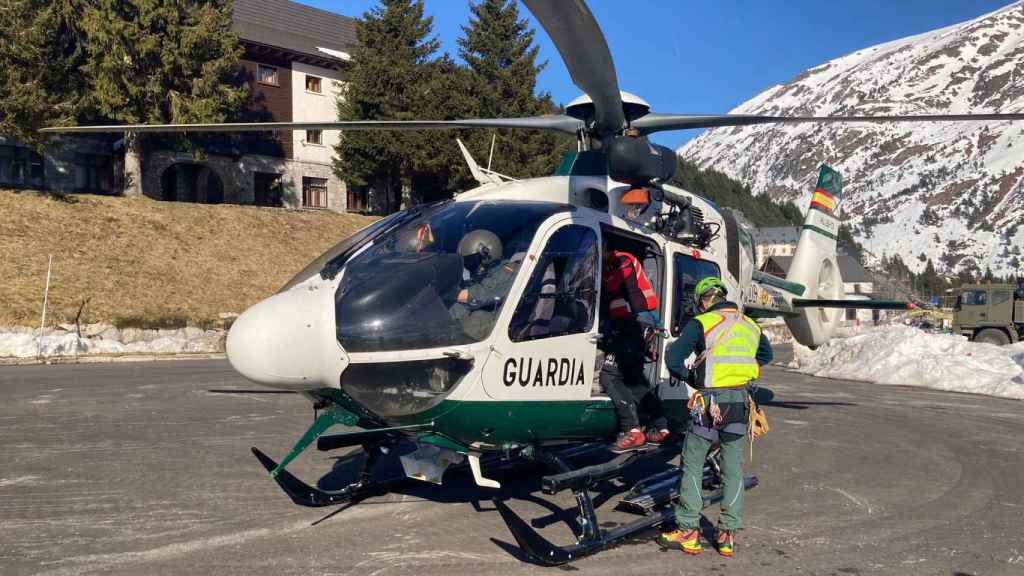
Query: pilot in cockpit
{"points": [[487, 279]]}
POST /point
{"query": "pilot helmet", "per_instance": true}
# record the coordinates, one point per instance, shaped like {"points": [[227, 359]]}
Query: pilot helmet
{"points": [[479, 249]]}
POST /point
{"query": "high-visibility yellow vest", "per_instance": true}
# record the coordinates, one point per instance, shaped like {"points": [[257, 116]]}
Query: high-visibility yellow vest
{"points": [[732, 340]]}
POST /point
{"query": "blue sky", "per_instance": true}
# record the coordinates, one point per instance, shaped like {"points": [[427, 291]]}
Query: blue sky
{"points": [[709, 56]]}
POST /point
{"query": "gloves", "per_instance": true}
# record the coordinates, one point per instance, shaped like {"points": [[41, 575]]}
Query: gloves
{"points": [[647, 319]]}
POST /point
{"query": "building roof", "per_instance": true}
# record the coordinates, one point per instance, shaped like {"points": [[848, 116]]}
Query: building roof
{"points": [[296, 28], [777, 235], [850, 269]]}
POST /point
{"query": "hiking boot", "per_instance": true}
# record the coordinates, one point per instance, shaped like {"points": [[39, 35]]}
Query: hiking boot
{"points": [[629, 441], [686, 540], [658, 436], [726, 542]]}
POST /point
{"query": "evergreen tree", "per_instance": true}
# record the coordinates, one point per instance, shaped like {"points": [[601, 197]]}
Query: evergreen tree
{"points": [[761, 210], [442, 170], [930, 282], [152, 61], [498, 48], [847, 243], [393, 77], [41, 59]]}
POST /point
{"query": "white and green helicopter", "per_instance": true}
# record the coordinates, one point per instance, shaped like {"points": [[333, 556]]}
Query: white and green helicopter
{"points": [[375, 334]]}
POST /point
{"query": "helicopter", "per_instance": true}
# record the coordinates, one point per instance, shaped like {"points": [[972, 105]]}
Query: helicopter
{"points": [[374, 334]]}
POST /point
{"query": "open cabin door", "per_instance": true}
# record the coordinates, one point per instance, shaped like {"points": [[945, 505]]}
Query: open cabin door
{"points": [[686, 269], [546, 348]]}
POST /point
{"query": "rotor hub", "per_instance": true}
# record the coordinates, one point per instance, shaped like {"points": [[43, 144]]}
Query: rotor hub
{"points": [[633, 107]]}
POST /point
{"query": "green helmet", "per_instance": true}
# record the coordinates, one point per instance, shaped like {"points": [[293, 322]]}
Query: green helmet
{"points": [[709, 283]]}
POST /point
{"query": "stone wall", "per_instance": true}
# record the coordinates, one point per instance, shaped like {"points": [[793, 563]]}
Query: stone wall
{"points": [[59, 162], [238, 177]]}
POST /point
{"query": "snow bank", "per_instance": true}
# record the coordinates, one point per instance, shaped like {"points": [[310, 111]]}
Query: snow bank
{"points": [[26, 343], [908, 356]]}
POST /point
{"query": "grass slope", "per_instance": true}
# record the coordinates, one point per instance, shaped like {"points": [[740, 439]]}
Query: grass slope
{"points": [[149, 263]]}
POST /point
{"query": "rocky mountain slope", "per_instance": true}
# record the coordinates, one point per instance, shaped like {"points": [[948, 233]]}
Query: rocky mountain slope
{"points": [[952, 192]]}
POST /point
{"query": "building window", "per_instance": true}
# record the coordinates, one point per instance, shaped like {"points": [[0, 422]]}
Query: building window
{"points": [[20, 167], [93, 173], [851, 313], [266, 74], [314, 137], [314, 192], [313, 84], [358, 200]]}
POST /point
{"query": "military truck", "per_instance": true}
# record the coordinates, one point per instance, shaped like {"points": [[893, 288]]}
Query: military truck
{"points": [[992, 313]]}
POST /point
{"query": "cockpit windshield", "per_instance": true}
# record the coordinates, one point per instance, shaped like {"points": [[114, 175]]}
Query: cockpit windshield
{"points": [[438, 278]]}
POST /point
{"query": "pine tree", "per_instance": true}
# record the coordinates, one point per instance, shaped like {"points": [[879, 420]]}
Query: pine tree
{"points": [[442, 170], [41, 58], [498, 48], [392, 78], [761, 210], [152, 61]]}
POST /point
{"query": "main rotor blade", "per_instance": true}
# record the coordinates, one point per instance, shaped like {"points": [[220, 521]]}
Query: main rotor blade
{"points": [[654, 122], [557, 123], [575, 32]]}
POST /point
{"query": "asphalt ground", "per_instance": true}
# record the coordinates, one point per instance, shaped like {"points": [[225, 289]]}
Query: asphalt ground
{"points": [[144, 468]]}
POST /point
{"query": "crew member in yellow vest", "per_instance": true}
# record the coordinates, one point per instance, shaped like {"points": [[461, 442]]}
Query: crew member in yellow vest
{"points": [[730, 350]]}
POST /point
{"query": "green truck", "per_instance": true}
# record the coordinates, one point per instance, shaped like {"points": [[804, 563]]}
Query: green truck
{"points": [[991, 313]]}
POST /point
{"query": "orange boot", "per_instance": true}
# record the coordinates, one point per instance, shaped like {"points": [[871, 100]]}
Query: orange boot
{"points": [[686, 540]]}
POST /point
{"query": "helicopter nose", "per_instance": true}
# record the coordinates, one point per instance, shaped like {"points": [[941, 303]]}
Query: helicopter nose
{"points": [[286, 341]]}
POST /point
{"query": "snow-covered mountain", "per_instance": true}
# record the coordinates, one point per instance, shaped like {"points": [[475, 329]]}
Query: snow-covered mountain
{"points": [[953, 192]]}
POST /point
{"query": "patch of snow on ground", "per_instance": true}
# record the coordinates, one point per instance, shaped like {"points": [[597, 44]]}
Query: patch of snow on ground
{"points": [[911, 357], [23, 344]]}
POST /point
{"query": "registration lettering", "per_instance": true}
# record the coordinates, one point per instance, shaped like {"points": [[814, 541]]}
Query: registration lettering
{"points": [[543, 372]]}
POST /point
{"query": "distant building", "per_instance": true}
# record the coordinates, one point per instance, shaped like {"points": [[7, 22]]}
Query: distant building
{"points": [[857, 283], [81, 163], [856, 280], [778, 241], [294, 62]]}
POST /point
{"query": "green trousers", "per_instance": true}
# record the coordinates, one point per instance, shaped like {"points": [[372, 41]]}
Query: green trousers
{"points": [[691, 501]]}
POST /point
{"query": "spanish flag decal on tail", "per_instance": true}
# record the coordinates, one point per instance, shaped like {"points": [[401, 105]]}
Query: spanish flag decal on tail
{"points": [[828, 191]]}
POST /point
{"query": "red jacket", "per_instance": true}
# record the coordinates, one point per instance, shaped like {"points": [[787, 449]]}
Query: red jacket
{"points": [[626, 287]]}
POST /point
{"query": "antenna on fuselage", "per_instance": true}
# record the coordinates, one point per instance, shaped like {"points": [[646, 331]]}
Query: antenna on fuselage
{"points": [[494, 137], [482, 175]]}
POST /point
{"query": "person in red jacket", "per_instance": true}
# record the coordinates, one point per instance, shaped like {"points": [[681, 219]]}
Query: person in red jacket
{"points": [[630, 302]]}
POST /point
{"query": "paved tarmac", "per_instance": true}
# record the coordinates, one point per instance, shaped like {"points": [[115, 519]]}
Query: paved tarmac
{"points": [[144, 468]]}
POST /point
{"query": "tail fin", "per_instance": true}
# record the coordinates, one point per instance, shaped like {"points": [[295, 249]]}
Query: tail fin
{"points": [[814, 262]]}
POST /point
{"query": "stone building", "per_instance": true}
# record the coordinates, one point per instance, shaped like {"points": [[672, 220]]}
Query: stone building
{"points": [[294, 62], [775, 241], [295, 58]]}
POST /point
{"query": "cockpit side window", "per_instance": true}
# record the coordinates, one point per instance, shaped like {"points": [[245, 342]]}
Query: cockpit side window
{"points": [[688, 272], [437, 277], [561, 296]]}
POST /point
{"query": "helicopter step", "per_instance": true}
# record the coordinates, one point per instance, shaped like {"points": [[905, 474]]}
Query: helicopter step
{"points": [[650, 496], [589, 475], [661, 489]]}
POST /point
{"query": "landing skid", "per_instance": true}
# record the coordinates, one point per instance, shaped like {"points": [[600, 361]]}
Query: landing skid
{"points": [[654, 493], [305, 495]]}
